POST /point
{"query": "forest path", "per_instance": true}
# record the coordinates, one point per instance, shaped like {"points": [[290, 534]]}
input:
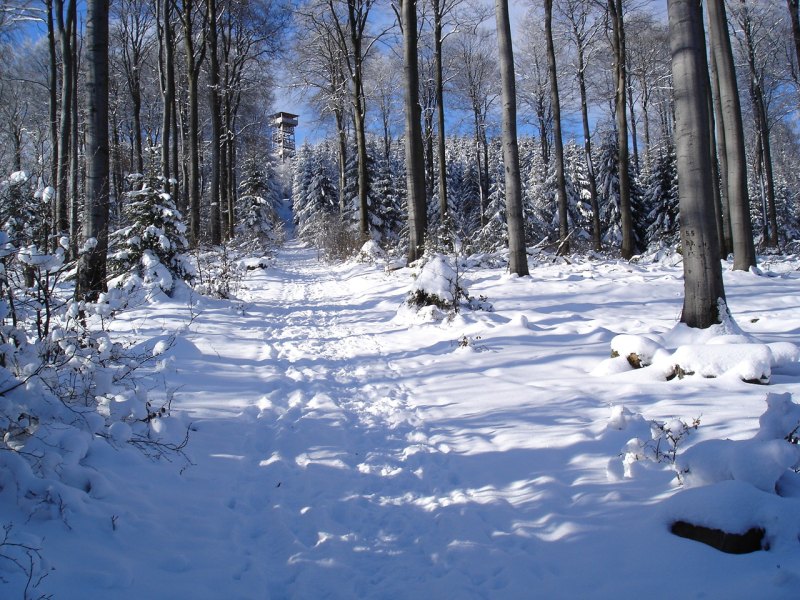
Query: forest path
{"points": [[322, 428]]}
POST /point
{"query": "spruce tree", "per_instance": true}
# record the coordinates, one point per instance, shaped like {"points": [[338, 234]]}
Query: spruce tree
{"points": [[153, 243]]}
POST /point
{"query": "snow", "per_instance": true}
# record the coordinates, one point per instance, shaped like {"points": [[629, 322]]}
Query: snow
{"points": [[339, 452]]}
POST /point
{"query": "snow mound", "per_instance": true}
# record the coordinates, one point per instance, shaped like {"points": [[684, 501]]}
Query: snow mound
{"points": [[371, 252], [761, 461], [749, 362], [720, 351], [636, 348]]}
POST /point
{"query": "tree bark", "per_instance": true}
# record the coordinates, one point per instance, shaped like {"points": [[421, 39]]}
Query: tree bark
{"points": [[74, 162], [415, 169], [439, 84], [65, 26], [618, 42], [341, 138], [91, 280], [721, 162], [558, 143], [167, 80], [744, 254], [53, 95], [795, 19], [215, 220], [193, 62], [704, 294], [518, 257]]}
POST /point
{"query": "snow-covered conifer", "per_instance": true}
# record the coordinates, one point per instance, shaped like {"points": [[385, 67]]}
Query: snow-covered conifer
{"points": [[151, 246], [661, 199], [257, 205]]}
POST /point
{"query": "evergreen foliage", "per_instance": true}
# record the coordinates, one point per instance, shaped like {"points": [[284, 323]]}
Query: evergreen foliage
{"points": [[661, 199], [151, 246], [608, 190], [257, 203]]}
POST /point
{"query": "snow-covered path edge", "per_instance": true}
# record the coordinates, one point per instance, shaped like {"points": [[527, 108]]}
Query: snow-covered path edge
{"points": [[341, 453]]}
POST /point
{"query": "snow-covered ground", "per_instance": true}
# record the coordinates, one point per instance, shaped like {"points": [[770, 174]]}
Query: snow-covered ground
{"points": [[341, 449]]}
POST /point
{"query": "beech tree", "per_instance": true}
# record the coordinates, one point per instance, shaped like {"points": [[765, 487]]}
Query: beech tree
{"points": [[518, 257], [615, 13], [704, 294], [558, 143], [475, 83], [730, 138], [582, 29], [91, 280], [415, 170], [351, 29]]}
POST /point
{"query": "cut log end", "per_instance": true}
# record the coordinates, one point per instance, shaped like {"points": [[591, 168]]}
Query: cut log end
{"points": [[751, 540]]}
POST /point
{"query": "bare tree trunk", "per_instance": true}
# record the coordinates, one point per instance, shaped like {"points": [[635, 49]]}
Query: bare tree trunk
{"points": [[518, 257], [342, 157], [439, 84], [587, 142], [193, 63], [53, 95], [762, 129], [704, 294], [215, 221], [721, 158], [74, 164], [175, 158], [427, 136], [167, 80], [479, 148], [618, 42], [744, 254], [558, 143], [634, 140], [91, 280], [61, 217], [715, 176], [415, 169], [795, 19]]}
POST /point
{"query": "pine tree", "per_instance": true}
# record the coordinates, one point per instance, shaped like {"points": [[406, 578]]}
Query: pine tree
{"points": [[21, 215], [301, 182]]}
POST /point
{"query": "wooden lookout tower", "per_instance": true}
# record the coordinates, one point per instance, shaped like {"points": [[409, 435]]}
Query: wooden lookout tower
{"points": [[283, 125]]}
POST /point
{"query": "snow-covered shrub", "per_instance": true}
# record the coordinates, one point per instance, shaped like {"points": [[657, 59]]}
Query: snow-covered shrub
{"points": [[218, 272], [662, 447], [371, 252], [150, 250], [438, 284], [66, 385], [335, 238], [637, 349]]}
